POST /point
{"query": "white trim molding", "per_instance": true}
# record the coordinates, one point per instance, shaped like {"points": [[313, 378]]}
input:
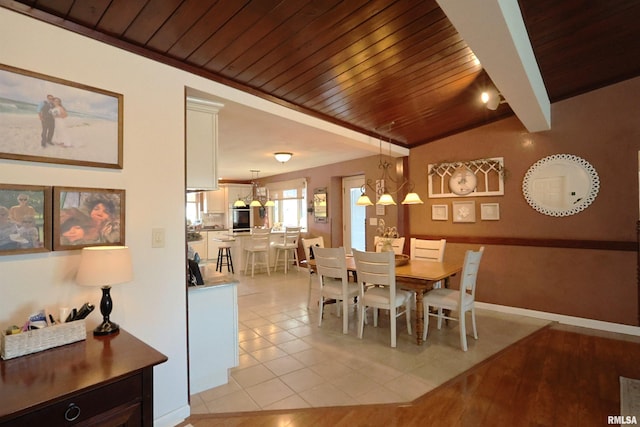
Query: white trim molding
{"points": [[560, 318]]}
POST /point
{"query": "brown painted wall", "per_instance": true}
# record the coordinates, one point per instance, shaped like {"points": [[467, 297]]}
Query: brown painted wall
{"points": [[601, 127]]}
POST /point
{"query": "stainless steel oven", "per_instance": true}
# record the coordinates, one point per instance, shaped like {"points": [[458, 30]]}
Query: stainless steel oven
{"points": [[241, 219]]}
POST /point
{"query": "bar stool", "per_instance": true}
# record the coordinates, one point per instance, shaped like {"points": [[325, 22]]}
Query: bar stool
{"points": [[224, 258], [258, 243], [287, 247]]}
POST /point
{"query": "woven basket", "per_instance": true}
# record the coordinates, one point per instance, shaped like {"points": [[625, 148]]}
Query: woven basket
{"points": [[41, 339]]}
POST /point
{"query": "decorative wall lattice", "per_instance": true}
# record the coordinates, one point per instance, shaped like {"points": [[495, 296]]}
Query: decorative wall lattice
{"points": [[489, 174]]}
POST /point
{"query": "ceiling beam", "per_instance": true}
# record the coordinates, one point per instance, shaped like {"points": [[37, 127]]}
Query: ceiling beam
{"points": [[495, 32]]}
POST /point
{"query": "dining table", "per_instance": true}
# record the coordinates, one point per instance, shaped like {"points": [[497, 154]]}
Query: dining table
{"points": [[419, 276]]}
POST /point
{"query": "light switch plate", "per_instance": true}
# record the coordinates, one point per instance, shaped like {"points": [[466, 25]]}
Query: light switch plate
{"points": [[157, 237]]}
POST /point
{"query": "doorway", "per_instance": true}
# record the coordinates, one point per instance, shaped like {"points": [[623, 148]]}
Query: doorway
{"points": [[353, 216]]}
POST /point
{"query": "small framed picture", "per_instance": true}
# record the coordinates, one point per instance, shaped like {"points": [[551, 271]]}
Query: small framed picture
{"points": [[87, 217], [439, 212], [464, 211], [490, 211], [25, 219]]}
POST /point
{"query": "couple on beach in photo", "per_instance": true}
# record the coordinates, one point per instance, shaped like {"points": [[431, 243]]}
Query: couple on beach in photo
{"points": [[52, 117]]}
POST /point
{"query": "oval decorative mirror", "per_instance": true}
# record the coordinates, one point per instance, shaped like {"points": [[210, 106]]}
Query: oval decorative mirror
{"points": [[561, 185]]}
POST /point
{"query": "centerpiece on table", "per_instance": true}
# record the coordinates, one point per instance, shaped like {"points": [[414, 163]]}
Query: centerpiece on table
{"points": [[386, 235]]}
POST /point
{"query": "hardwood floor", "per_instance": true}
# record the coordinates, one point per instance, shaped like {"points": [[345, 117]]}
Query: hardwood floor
{"points": [[558, 376]]}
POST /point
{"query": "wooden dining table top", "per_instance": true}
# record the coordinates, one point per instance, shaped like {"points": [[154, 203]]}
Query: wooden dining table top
{"points": [[418, 269]]}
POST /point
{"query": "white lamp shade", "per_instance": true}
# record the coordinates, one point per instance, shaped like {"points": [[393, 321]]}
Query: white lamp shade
{"points": [[104, 266], [283, 157], [255, 204], [386, 200], [412, 199], [239, 204], [364, 200], [270, 204]]}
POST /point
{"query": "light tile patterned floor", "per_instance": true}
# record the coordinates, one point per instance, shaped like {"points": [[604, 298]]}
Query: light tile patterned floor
{"points": [[287, 361]]}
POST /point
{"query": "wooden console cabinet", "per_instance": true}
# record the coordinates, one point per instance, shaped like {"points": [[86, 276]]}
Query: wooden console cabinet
{"points": [[102, 381]]}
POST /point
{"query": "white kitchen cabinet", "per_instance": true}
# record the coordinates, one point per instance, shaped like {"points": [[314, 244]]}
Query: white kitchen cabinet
{"points": [[213, 335], [216, 201], [202, 144], [200, 246], [237, 190]]}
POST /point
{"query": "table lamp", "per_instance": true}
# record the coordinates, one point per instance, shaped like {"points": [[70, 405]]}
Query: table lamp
{"points": [[105, 266]]}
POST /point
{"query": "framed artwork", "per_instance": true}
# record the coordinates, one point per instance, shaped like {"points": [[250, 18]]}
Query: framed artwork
{"points": [[464, 211], [379, 191], [87, 217], [46, 119], [490, 211], [320, 204], [25, 219], [439, 212]]}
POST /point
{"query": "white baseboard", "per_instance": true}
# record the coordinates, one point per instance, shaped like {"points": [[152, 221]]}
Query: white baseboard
{"points": [[560, 318], [173, 418]]}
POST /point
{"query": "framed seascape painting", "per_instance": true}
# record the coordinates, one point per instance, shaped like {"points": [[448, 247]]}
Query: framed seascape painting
{"points": [[25, 219], [87, 217], [46, 119]]}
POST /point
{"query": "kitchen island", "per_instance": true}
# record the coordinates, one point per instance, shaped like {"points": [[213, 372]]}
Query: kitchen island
{"points": [[207, 248]]}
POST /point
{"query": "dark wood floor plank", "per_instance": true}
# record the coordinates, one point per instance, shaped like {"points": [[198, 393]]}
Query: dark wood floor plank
{"points": [[555, 377]]}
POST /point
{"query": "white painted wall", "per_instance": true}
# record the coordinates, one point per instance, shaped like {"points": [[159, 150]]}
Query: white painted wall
{"points": [[153, 306]]}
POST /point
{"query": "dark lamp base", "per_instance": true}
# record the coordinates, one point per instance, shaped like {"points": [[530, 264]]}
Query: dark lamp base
{"points": [[106, 328]]}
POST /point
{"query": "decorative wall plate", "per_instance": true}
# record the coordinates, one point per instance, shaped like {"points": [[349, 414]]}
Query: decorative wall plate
{"points": [[463, 181], [560, 185]]}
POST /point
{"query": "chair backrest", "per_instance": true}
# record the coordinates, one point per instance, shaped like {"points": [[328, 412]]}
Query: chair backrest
{"points": [[376, 268], [470, 271], [291, 235], [259, 238], [331, 263], [428, 250], [311, 241], [397, 244]]}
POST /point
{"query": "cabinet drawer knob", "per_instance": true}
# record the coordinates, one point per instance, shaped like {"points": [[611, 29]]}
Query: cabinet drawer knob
{"points": [[72, 413]]}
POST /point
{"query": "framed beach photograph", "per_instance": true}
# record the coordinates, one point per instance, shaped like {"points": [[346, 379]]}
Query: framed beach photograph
{"points": [[87, 217], [439, 212], [25, 219], [464, 211], [46, 119]]}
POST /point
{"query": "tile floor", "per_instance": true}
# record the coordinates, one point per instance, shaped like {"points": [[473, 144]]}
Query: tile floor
{"points": [[287, 361]]}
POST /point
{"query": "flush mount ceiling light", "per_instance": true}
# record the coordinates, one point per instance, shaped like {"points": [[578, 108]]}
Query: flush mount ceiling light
{"points": [[383, 189], [282, 157], [492, 99]]}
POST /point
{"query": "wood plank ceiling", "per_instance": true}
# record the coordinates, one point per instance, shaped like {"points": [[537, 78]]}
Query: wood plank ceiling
{"points": [[361, 64]]}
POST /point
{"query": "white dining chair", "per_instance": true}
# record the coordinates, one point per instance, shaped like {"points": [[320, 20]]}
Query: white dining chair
{"points": [[287, 248], [460, 301], [307, 244], [331, 264], [428, 250], [257, 244], [377, 273], [397, 244]]}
